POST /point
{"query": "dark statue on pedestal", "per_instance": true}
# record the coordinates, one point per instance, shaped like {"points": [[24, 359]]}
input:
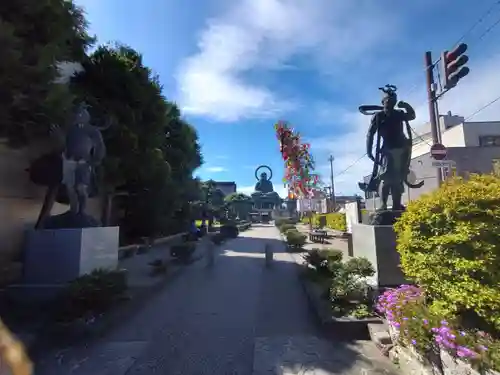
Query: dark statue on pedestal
{"points": [[391, 162], [83, 149], [264, 195]]}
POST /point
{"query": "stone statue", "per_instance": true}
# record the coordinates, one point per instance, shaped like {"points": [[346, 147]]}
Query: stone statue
{"points": [[264, 185], [393, 148], [82, 150], [264, 194]]}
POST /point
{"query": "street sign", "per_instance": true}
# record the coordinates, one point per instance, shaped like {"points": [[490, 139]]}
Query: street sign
{"points": [[443, 163], [438, 151]]}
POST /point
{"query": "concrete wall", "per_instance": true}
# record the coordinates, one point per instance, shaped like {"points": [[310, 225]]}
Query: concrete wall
{"points": [[352, 216], [20, 202], [377, 243]]}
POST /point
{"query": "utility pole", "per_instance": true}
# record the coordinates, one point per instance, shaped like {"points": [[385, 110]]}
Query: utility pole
{"points": [[433, 107], [332, 186]]}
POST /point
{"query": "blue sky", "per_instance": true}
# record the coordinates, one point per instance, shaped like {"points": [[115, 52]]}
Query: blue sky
{"points": [[235, 67]]}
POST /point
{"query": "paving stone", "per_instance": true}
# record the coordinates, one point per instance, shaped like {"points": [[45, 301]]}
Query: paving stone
{"points": [[238, 317]]}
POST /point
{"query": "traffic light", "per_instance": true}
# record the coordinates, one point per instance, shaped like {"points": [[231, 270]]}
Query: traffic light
{"points": [[453, 63]]}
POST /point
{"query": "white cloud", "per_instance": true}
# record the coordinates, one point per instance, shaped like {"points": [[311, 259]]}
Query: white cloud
{"points": [[473, 92], [216, 169], [266, 34]]}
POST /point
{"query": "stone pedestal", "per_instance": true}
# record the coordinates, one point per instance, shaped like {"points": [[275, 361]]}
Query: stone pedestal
{"points": [[377, 243], [57, 256]]}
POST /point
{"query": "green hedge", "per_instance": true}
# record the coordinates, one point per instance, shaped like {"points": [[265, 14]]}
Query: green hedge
{"points": [[449, 242], [334, 220]]}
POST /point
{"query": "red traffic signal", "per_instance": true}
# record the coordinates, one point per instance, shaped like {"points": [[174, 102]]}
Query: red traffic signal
{"points": [[453, 63]]}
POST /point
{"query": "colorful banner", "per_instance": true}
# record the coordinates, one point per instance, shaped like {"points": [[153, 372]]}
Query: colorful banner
{"points": [[299, 163]]}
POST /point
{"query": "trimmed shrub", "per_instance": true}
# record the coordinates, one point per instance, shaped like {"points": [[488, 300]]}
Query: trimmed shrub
{"points": [[286, 227], [217, 239], [280, 222], [229, 231], [295, 240], [183, 251], [321, 259], [91, 294], [449, 242]]}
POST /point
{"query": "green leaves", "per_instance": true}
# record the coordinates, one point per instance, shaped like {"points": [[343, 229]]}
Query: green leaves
{"points": [[449, 243], [34, 35]]}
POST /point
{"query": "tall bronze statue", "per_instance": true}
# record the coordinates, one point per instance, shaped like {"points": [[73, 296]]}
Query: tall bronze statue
{"points": [[80, 149], [392, 157], [84, 150]]}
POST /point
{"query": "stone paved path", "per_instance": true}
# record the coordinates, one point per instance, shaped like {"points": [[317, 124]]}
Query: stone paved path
{"points": [[238, 317]]}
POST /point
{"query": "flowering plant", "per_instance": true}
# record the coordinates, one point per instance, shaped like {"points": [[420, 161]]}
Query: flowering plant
{"points": [[405, 309], [299, 163]]}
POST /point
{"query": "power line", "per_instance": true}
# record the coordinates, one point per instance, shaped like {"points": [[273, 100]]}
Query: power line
{"points": [[483, 108], [481, 18], [350, 166]]}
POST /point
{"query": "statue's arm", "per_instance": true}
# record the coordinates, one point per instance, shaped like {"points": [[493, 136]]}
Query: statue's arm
{"points": [[371, 135], [409, 114], [99, 147]]}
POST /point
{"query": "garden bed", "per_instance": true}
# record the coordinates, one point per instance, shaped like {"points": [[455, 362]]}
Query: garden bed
{"points": [[341, 327], [443, 363], [337, 293]]}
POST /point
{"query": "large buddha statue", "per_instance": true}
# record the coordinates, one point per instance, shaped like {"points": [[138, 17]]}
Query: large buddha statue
{"points": [[264, 195], [264, 185]]}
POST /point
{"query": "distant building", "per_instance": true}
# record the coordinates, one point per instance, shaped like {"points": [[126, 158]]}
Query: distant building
{"points": [[318, 203], [227, 187], [473, 146]]}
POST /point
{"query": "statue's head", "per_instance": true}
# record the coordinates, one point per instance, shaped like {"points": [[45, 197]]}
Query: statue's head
{"points": [[390, 97], [82, 115], [389, 101], [263, 176]]}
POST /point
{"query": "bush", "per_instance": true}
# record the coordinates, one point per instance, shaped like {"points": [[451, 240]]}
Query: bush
{"points": [[360, 267], [217, 238], [320, 260], [295, 240], [334, 220], [405, 309], [449, 242], [349, 279], [244, 226], [184, 251], [91, 293], [286, 227], [280, 222], [349, 291], [229, 230]]}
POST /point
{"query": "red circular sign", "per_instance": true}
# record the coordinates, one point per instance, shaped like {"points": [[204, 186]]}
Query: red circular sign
{"points": [[438, 151]]}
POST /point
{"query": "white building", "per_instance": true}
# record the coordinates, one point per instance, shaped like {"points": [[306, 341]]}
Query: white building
{"points": [[318, 203]]}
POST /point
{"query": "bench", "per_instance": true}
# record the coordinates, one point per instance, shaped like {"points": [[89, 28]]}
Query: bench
{"points": [[318, 236]]}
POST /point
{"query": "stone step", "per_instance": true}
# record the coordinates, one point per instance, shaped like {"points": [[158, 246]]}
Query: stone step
{"points": [[379, 334]]}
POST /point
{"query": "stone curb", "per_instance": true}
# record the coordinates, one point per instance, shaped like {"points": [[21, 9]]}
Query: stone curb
{"points": [[343, 328], [135, 249]]}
